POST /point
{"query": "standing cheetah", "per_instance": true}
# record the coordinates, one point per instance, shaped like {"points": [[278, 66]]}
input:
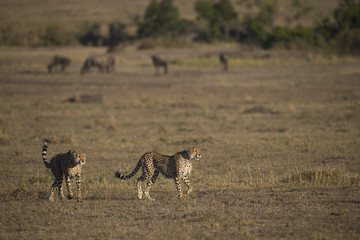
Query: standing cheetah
{"points": [[66, 165]]}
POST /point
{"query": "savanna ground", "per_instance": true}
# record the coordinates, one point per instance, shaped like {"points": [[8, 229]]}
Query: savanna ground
{"points": [[279, 131]]}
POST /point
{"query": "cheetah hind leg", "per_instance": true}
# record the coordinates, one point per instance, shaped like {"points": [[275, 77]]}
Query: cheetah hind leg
{"points": [[147, 190], [61, 193], [139, 189], [57, 183], [51, 194], [149, 184]]}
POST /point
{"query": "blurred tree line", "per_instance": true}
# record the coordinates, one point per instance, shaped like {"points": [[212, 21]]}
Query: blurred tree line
{"points": [[217, 20]]}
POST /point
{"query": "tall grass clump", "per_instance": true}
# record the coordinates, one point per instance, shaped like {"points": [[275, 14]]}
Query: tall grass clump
{"points": [[322, 176]]}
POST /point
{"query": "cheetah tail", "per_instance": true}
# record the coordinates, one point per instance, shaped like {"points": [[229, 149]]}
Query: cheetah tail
{"points": [[119, 175], [44, 153]]}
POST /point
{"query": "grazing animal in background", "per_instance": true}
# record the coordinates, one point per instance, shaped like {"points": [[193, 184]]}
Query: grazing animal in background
{"points": [[63, 62], [66, 165], [224, 61], [158, 62], [90, 63], [110, 64], [177, 167]]}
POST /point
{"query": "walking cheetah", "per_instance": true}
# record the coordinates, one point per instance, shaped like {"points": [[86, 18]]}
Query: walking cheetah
{"points": [[177, 166], [66, 165]]}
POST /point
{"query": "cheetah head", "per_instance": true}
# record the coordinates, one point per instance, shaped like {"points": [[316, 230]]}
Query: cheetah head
{"points": [[81, 158], [194, 152]]}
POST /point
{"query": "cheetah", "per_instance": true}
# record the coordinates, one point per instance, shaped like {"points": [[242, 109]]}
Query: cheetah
{"points": [[66, 165], [177, 166], [158, 62]]}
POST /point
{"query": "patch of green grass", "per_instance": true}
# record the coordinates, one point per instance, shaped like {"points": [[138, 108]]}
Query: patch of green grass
{"points": [[342, 130], [34, 180], [282, 130], [214, 61]]}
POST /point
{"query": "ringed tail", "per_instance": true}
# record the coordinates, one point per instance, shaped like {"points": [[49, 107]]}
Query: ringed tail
{"points": [[119, 175], [44, 153]]}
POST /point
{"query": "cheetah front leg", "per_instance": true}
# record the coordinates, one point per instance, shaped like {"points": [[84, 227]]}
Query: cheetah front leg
{"points": [[70, 193], [78, 186], [188, 184], [178, 187]]}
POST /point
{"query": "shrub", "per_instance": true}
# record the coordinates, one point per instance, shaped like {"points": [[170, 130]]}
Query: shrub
{"points": [[257, 28], [219, 16], [344, 31], [160, 19], [255, 31], [8, 36], [50, 33], [348, 42], [288, 36], [90, 34], [347, 15], [117, 33], [56, 34]]}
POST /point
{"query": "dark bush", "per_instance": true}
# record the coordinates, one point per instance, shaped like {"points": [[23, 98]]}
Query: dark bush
{"points": [[8, 36], [348, 42], [347, 15], [344, 31], [56, 34], [255, 31], [287, 36], [160, 19], [90, 34], [219, 16], [258, 27], [117, 33]]}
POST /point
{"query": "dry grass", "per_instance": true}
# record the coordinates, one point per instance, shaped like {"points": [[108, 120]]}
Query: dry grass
{"points": [[280, 145]]}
